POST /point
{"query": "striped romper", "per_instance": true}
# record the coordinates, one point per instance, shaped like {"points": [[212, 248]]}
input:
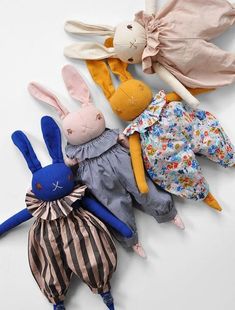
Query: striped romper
{"points": [[64, 241]]}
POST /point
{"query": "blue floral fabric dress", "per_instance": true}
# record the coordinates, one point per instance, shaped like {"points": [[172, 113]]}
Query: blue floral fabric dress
{"points": [[171, 135]]}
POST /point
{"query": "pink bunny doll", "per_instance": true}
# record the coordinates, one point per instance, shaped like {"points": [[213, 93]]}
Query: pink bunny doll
{"points": [[104, 164], [173, 42]]}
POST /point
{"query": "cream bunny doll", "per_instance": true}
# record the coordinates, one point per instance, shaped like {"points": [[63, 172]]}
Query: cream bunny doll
{"points": [[104, 164], [174, 43]]}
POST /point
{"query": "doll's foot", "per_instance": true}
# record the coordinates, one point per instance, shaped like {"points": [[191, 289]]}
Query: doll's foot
{"points": [[139, 250], [212, 202], [177, 221], [59, 306], [108, 300]]}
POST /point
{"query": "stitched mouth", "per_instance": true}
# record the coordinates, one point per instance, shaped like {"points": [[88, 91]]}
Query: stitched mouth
{"points": [[56, 186]]}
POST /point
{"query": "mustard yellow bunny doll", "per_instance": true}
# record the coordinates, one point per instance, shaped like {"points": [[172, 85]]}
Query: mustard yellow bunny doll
{"points": [[164, 134]]}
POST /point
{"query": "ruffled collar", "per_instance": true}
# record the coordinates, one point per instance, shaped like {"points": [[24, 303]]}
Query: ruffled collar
{"points": [[152, 28], [52, 210], [93, 148], [149, 117]]}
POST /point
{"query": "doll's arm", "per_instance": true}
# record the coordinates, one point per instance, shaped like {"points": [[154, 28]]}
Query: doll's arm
{"points": [[96, 208], [137, 162], [123, 140], [70, 162], [179, 88], [194, 91], [15, 220], [150, 6]]}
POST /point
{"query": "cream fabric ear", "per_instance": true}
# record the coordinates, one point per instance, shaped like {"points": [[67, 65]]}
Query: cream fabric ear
{"points": [[44, 95], [75, 85], [89, 50], [78, 27]]}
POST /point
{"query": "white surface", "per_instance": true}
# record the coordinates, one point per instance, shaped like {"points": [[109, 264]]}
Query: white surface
{"points": [[185, 270]]}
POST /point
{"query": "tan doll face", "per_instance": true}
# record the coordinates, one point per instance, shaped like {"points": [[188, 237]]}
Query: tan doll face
{"points": [[129, 42], [84, 125]]}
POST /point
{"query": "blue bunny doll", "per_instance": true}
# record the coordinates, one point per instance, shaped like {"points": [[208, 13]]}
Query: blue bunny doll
{"points": [[65, 239]]}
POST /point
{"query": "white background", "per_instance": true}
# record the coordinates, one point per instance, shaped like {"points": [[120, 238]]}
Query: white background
{"points": [[186, 270]]}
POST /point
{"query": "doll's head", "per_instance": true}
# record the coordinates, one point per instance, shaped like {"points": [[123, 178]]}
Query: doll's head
{"points": [[129, 41], [55, 180], [132, 96], [79, 126]]}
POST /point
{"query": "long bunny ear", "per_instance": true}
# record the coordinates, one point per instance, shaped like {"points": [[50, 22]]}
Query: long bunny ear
{"points": [[52, 137], [76, 86], [44, 95], [101, 75], [78, 27], [23, 144], [89, 50], [116, 65]]}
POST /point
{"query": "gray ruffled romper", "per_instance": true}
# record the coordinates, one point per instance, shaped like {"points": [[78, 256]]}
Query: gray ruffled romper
{"points": [[105, 167]]}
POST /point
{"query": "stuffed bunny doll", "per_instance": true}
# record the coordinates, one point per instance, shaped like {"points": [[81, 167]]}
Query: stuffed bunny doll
{"points": [[164, 135], [64, 240], [173, 42], [104, 164]]}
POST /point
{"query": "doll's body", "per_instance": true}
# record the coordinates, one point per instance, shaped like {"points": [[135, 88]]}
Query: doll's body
{"points": [[171, 136], [164, 135], [178, 38], [65, 239], [105, 168]]}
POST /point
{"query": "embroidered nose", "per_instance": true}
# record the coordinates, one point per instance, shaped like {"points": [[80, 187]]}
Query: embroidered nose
{"points": [[56, 186]]}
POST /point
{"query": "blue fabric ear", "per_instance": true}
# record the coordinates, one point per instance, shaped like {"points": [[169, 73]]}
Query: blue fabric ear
{"points": [[52, 137], [23, 144]]}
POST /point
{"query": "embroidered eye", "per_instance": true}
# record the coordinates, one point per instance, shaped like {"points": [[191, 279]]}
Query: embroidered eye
{"points": [[70, 177], [69, 131], [38, 186], [130, 59], [99, 116], [129, 27]]}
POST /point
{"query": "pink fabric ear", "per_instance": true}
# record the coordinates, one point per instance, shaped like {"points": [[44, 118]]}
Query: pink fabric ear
{"points": [[76, 86], [44, 95]]}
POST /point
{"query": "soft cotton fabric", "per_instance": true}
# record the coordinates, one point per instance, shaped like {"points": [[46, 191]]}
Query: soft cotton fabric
{"points": [[171, 135], [64, 241], [105, 168], [178, 38]]}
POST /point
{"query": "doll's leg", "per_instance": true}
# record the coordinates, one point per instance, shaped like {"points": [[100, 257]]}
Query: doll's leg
{"points": [[177, 171], [59, 306], [212, 140], [48, 264], [91, 254], [214, 67]]}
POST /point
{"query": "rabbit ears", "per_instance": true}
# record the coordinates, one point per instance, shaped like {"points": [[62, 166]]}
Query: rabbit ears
{"points": [[91, 50], [52, 137], [76, 87], [101, 75]]}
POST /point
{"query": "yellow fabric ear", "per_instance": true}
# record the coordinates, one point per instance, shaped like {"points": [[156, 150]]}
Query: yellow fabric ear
{"points": [[117, 66], [100, 74]]}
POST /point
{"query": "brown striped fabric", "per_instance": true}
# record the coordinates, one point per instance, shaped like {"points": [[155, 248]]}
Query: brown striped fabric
{"points": [[51, 210], [77, 244]]}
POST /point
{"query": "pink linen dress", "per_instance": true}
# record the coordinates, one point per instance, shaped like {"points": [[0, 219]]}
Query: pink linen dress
{"points": [[178, 38]]}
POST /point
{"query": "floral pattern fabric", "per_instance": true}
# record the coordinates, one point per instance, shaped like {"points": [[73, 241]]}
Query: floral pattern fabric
{"points": [[171, 135]]}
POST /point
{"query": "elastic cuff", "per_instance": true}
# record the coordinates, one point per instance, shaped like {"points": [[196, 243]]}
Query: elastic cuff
{"points": [[167, 217]]}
